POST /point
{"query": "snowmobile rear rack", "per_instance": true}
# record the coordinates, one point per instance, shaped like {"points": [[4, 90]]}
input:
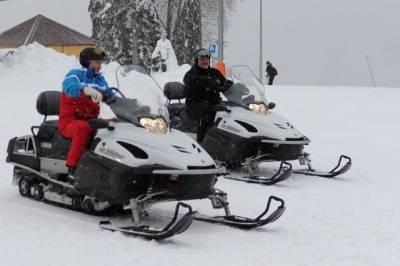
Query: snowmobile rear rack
{"points": [[174, 227]]}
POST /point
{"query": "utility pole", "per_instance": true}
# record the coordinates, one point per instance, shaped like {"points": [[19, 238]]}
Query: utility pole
{"points": [[261, 45], [370, 71], [220, 30]]}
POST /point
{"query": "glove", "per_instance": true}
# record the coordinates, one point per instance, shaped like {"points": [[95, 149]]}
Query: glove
{"points": [[215, 83], [94, 94], [227, 85]]}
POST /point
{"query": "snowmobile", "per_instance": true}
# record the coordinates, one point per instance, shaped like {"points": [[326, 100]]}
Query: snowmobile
{"points": [[247, 133], [133, 162]]}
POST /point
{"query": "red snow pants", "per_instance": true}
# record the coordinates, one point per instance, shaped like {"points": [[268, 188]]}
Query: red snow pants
{"points": [[80, 133], [73, 124]]}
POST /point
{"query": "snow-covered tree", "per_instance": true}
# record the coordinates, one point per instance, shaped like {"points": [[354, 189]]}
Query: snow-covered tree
{"points": [[127, 29], [185, 15], [186, 34], [181, 21]]}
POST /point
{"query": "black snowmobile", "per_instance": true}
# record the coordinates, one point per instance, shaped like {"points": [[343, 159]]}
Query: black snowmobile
{"points": [[132, 163]]}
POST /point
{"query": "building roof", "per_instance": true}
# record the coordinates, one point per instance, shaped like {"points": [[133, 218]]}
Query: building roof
{"points": [[44, 31]]}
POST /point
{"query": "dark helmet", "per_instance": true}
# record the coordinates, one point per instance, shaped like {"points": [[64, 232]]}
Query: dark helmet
{"points": [[200, 53], [91, 53]]}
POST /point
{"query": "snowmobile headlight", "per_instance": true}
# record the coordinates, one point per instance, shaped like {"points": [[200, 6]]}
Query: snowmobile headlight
{"points": [[260, 108], [154, 125]]}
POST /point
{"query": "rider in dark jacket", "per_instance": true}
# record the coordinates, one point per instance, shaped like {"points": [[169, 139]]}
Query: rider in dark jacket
{"points": [[271, 73], [203, 86]]}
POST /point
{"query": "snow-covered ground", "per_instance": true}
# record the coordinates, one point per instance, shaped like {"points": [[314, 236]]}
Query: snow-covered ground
{"points": [[352, 220]]}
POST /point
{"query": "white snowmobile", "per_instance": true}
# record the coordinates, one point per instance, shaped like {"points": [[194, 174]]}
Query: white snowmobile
{"points": [[246, 132], [133, 162]]}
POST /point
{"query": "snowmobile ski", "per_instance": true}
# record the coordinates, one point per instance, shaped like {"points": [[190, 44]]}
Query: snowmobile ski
{"points": [[283, 173], [243, 222], [176, 226], [338, 170]]}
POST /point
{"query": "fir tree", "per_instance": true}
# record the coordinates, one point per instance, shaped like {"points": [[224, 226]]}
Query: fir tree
{"points": [[186, 35], [127, 29]]}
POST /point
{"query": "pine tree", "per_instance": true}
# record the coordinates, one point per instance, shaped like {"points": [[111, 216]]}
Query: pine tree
{"points": [[127, 29], [177, 15], [186, 35]]}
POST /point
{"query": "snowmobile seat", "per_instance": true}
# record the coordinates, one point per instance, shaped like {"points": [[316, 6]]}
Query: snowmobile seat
{"points": [[48, 103], [47, 129], [174, 91]]}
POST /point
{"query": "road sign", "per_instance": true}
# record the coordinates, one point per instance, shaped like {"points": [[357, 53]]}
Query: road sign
{"points": [[212, 48]]}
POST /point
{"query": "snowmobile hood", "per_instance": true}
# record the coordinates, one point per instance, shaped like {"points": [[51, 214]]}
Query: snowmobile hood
{"points": [[135, 146], [248, 124]]}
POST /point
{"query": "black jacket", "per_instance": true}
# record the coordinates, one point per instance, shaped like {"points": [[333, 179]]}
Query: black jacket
{"points": [[203, 85], [271, 71]]}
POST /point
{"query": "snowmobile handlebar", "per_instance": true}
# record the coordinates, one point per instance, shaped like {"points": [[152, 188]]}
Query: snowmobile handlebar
{"points": [[221, 108], [98, 123]]}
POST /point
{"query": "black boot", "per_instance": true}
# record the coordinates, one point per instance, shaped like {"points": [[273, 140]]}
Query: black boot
{"points": [[71, 174]]}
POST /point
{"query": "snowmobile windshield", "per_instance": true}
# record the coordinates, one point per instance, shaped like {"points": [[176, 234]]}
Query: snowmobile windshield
{"points": [[140, 95], [247, 88]]}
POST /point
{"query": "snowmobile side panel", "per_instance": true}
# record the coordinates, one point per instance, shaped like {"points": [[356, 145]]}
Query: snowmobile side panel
{"points": [[108, 180], [233, 149]]}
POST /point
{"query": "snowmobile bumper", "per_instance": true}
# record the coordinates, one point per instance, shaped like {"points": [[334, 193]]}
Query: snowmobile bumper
{"points": [[304, 141], [215, 171]]}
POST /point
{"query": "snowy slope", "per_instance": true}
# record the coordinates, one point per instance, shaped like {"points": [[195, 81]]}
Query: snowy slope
{"points": [[352, 220]]}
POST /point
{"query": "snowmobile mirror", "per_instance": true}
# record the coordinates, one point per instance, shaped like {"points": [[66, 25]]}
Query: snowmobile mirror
{"points": [[271, 105]]}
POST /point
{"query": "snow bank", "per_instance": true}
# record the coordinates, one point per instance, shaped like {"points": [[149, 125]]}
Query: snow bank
{"points": [[34, 59], [352, 220]]}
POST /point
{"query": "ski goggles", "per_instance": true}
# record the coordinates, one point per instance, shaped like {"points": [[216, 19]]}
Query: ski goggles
{"points": [[203, 53]]}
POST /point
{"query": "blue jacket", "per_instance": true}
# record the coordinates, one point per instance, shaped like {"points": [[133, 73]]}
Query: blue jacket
{"points": [[77, 79]]}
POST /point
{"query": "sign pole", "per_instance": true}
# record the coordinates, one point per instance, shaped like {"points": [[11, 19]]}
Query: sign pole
{"points": [[220, 30]]}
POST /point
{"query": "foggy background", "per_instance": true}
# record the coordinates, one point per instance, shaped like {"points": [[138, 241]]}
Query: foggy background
{"points": [[311, 42]]}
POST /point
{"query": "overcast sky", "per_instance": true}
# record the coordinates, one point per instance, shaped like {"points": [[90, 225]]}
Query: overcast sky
{"points": [[312, 42]]}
